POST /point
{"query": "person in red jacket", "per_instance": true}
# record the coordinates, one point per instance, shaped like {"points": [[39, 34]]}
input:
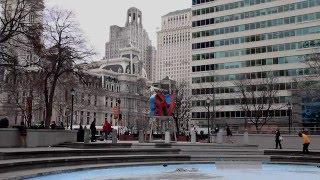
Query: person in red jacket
{"points": [[106, 129]]}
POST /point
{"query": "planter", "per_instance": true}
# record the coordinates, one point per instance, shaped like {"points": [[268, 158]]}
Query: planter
{"points": [[182, 138], [126, 137]]}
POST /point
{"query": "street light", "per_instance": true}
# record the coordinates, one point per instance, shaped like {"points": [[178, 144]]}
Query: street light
{"points": [[208, 106], [289, 116], [72, 99]]}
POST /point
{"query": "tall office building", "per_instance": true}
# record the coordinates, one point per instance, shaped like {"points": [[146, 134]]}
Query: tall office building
{"points": [[248, 39], [174, 47], [132, 34]]}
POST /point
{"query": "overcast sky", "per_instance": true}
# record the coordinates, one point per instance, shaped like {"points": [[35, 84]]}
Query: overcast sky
{"points": [[96, 16]]}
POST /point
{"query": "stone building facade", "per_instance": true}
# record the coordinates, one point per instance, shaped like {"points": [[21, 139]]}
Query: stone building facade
{"points": [[174, 47], [119, 82], [133, 34]]}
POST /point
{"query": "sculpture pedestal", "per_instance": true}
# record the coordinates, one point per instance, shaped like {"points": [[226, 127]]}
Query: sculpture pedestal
{"points": [[114, 136]]}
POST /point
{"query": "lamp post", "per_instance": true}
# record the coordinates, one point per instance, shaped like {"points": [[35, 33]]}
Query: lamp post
{"points": [[72, 99], [208, 106], [289, 117]]}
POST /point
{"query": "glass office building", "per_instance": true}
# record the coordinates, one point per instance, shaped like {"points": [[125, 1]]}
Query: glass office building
{"points": [[251, 39]]}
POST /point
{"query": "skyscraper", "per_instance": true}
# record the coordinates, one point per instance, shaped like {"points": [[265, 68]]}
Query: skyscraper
{"points": [[250, 39], [133, 34], [174, 47]]}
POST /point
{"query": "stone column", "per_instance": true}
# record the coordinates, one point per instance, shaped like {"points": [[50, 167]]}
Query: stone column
{"points": [[245, 137], [167, 137], [141, 136], [114, 136], [220, 136], [193, 137]]}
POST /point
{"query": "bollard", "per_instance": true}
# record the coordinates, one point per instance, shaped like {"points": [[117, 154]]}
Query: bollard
{"points": [[86, 135], [212, 138], [167, 138], [114, 136], [193, 137], [246, 137], [220, 137], [141, 136]]}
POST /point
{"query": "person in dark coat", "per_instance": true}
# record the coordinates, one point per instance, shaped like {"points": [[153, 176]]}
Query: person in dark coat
{"points": [[80, 134], [278, 139], [53, 125], [4, 123], [229, 135], [93, 131]]}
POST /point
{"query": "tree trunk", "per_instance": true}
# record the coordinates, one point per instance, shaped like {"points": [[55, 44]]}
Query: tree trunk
{"points": [[49, 101], [257, 129], [177, 125], [48, 115]]}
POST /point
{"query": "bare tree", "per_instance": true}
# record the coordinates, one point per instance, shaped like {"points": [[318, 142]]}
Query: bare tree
{"points": [[183, 107], [257, 100], [62, 46], [17, 22]]}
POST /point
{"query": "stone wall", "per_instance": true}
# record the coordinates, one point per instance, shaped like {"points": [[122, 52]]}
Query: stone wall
{"points": [[267, 141], [36, 137]]}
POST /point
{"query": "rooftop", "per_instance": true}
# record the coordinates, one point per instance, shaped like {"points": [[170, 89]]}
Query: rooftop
{"points": [[177, 12]]}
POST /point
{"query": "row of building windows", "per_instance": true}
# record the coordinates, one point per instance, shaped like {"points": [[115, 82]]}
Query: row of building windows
{"points": [[258, 25], [258, 50], [195, 2], [250, 63], [178, 18], [241, 101], [254, 75], [234, 89], [84, 116], [82, 98], [256, 13], [228, 6], [176, 38], [241, 114], [259, 37]]}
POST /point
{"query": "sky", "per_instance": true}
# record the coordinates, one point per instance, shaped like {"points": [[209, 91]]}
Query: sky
{"points": [[96, 16]]}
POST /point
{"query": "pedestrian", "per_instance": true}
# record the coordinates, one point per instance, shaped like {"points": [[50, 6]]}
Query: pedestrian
{"points": [[278, 139], [41, 125], [306, 142], [229, 135], [4, 123], [93, 131], [53, 125], [61, 125], [80, 134], [106, 129], [23, 134], [216, 129]]}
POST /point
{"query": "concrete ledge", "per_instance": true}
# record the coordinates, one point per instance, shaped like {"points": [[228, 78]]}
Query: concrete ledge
{"points": [[83, 152], [10, 137], [55, 170], [267, 141], [23, 164]]}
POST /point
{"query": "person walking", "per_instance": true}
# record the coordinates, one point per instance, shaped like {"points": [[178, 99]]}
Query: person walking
{"points": [[53, 125], [306, 142], [229, 135], [106, 129], [93, 131], [23, 134], [80, 134], [278, 139]]}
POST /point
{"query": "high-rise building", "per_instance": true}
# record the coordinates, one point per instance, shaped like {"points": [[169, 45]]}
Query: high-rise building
{"points": [[250, 39], [133, 34], [174, 47]]}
